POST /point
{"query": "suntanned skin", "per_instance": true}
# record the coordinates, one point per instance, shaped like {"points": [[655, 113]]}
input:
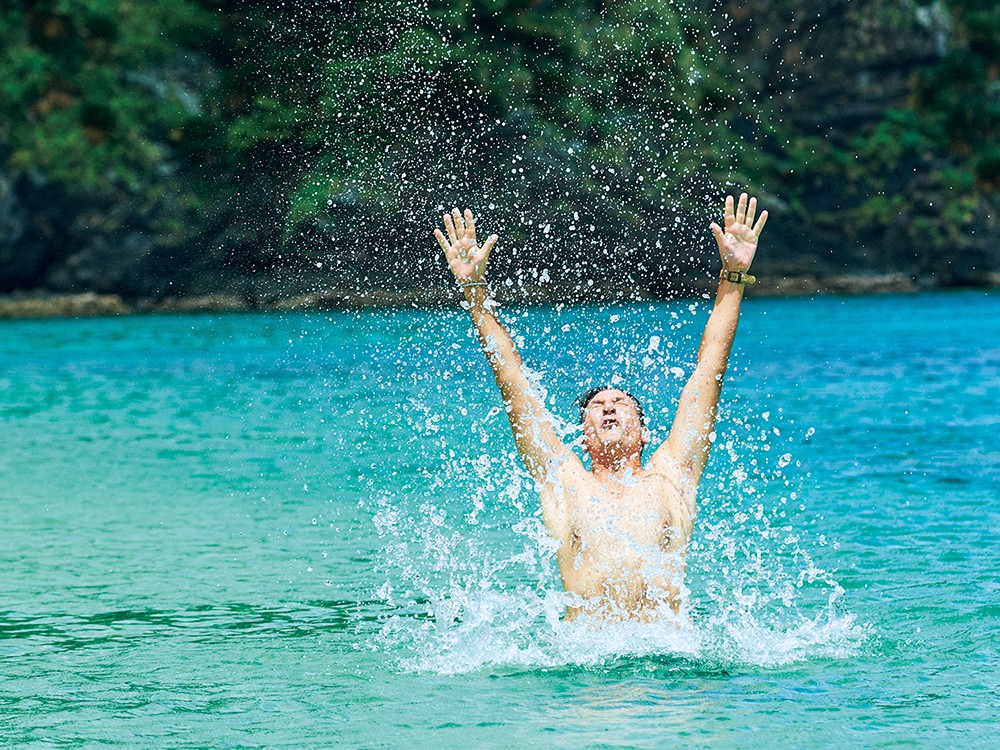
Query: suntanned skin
{"points": [[624, 528]]}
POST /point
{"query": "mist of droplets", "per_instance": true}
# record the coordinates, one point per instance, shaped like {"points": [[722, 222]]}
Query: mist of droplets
{"points": [[599, 151]]}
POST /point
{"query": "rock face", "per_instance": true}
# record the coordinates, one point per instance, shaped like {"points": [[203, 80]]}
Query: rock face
{"points": [[26, 234], [874, 199], [142, 244], [873, 209], [62, 241]]}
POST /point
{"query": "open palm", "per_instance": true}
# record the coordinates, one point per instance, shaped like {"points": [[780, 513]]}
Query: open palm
{"points": [[738, 242], [466, 258]]}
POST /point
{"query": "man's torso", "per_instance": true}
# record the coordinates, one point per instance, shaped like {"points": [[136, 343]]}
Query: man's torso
{"points": [[623, 540]]}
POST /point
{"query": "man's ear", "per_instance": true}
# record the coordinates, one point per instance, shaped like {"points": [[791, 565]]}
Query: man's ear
{"points": [[583, 444], [646, 436]]}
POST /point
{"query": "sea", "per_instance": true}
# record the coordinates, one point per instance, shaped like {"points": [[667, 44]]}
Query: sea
{"points": [[311, 530]]}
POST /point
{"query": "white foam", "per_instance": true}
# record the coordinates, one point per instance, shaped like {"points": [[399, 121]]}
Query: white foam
{"points": [[496, 630]]}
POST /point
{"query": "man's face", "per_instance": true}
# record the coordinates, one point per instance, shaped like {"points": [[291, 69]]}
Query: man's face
{"points": [[611, 421]]}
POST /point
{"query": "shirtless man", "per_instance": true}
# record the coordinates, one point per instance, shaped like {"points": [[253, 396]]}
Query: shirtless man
{"points": [[623, 527]]}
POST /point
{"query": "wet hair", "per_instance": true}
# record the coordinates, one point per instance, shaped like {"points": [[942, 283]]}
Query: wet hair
{"points": [[586, 398]]}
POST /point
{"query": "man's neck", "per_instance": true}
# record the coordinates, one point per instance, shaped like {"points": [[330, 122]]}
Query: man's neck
{"points": [[615, 467]]}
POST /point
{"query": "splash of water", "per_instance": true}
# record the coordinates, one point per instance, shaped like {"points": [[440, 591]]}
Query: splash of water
{"points": [[470, 579], [461, 597]]}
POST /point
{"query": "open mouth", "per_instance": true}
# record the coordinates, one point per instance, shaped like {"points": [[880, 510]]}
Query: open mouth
{"points": [[610, 422]]}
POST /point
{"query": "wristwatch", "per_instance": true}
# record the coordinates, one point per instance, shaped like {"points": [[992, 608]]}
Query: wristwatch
{"points": [[737, 277]]}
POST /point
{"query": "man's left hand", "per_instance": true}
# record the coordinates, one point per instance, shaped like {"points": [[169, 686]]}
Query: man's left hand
{"points": [[738, 243]]}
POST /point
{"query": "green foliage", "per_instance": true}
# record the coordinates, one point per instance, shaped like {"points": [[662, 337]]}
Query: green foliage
{"points": [[899, 134], [473, 97], [988, 168], [853, 177], [959, 93], [86, 96], [374, 107], [956, 94], [982, 25]]}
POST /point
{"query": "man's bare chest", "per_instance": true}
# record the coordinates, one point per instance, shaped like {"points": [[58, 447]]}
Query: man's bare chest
{"points": [[646, 511]]}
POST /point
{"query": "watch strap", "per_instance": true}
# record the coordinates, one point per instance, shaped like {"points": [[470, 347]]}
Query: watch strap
{"points": [[737, 277]]}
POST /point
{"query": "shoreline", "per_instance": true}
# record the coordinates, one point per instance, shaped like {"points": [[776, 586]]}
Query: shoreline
{"points": [[38, 304]]}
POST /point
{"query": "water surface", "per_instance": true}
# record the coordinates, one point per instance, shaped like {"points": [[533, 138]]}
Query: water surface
{"points": [[309, 530]]}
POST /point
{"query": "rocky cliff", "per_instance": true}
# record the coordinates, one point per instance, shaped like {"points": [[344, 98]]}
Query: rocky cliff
{"points": [[830, 107]]}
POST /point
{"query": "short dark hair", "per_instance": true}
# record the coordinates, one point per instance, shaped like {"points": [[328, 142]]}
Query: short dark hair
{"points": [[586, 398]]}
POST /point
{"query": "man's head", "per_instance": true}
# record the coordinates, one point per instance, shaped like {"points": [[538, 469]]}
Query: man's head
{"points": [[614, 426]]}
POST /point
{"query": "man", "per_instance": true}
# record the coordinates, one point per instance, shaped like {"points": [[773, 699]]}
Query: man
{"points": [[623, 527]]}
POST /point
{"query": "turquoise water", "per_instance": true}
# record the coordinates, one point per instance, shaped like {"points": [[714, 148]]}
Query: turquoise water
{"points": [[308, 530]]}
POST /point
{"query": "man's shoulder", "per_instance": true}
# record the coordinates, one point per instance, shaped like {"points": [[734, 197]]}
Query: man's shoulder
{"points": [[674, 491], [563, 473], [571, 471]]}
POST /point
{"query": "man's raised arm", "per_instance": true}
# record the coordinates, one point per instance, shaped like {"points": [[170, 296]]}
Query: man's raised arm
{"points": [[538, 443], [686, 449]]}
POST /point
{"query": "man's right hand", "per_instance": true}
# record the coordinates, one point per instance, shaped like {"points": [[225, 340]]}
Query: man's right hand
{"points": [[466, 258]]}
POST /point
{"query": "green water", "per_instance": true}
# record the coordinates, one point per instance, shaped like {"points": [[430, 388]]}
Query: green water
{"points": [[306, 530]]}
